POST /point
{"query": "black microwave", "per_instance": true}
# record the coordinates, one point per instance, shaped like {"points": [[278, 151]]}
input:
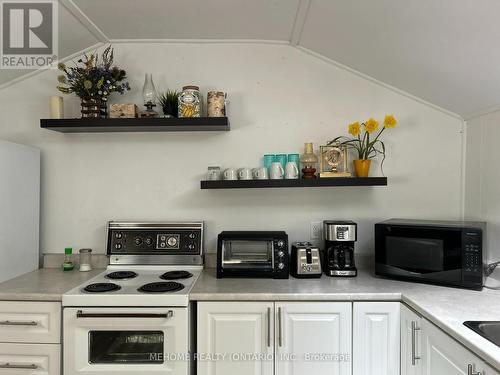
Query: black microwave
{"points": [[437, 252]]}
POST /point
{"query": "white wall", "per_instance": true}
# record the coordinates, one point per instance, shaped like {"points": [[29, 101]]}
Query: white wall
{"points": [[483, 177], [280, 98]]}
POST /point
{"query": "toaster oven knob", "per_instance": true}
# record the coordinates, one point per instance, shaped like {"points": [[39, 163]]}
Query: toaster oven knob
{"points": [[149, 241], [191, 246], [281, 243], [138, 241], [281, 266], [118, 246], [281, 254]]}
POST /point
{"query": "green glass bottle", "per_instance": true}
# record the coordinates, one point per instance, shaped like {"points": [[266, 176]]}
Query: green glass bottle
{"points": [[68, 264]]}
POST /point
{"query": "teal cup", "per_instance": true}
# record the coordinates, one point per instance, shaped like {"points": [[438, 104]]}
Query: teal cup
{"points": [[268, 161], [281, 158], [294, 158]]}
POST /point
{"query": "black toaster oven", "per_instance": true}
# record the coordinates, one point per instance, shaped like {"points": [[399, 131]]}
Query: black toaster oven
{"points": [[253, 254]]}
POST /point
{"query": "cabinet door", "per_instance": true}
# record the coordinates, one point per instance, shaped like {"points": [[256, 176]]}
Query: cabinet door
{"points": [[376, 338], [313, 338], [411, 339], [30, 359], [235, 338], [443, 355]]}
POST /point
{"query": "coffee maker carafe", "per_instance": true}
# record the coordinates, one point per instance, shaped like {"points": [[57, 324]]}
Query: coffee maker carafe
{"points": [[339, 248]]}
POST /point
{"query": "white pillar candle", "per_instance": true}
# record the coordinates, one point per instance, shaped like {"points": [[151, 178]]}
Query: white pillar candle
{"points": [[56, 107]]}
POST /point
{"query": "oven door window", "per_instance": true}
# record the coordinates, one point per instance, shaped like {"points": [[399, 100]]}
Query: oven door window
{"points": [[244, 254], [126, 347], [423, 251]]}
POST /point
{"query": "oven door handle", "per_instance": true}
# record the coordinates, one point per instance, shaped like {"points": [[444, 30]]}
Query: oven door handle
{"points": [[169, 314]]}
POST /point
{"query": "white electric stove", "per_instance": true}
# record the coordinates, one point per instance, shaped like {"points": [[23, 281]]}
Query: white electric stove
{"points": [[135, 317]]}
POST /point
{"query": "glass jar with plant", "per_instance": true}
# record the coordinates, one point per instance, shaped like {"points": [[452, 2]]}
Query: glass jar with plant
{"points": [[93, 79], [366, 142], [169, 103]]}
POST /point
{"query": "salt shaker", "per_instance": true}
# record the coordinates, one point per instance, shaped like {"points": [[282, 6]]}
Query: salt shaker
{"points": [[85, 260]]}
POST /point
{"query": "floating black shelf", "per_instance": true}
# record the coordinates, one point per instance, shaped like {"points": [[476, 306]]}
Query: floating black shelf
{"points": [[108, 125], [318, 182]]}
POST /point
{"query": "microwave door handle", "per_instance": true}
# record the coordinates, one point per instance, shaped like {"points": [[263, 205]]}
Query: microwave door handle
{"points": [[80, 314]]}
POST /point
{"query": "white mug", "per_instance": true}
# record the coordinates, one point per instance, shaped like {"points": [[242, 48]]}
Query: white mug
{"points": [[261, 173], [277, 171], [230, 174], [291, 170], [245, 174]]}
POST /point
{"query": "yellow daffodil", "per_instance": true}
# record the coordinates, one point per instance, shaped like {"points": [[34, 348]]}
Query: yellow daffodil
{"points": [[390, 121], [371, 126], [354, 129]]}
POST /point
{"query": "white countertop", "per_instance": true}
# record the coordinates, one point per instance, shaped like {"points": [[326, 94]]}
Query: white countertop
{"points": [[446, 307]]}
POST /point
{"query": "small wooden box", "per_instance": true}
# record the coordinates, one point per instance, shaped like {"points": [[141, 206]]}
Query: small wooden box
{"points": [[123, 111]]}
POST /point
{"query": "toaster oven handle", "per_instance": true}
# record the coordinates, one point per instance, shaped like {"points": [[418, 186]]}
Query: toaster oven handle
{"points": [[167, 315], [18, 323]]}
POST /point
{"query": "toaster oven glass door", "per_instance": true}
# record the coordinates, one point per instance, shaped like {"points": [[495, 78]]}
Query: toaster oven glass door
{"points": [[420, 250], [240, 254]]}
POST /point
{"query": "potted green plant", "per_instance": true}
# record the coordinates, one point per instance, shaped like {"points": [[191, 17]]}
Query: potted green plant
{"points": [[366, 143], [169, 103], [93, 79]]}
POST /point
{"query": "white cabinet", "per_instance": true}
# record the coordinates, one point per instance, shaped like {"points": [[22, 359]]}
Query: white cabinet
{"points": [[376, 338], [235, 338], [30, 359], [411, 340], [313, 338], [30, 338], [443, 355]]}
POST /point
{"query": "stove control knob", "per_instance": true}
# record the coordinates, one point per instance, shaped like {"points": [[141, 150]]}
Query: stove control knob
{"points": [[281, 243], [191, 246], [281, 254], [118, 246], [192, 235], [281, 266], [138, 241], [148, 241], [172, 241], [118, 235]]}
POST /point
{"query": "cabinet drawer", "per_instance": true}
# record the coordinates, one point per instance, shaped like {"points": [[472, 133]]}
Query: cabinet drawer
{"points": [[30, 359], [30, 322]]}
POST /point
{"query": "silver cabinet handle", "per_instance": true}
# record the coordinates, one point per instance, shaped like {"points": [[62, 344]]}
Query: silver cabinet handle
{"points": [[280, 328], [81, 314], [18, 323], [31, 366], [268, 327], [470, 370], [414, 330]]}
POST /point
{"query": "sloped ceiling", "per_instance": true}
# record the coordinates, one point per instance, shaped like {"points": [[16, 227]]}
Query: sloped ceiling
{"points": [[442, 51]]}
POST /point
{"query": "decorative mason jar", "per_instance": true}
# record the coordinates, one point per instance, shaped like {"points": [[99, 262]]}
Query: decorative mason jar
{"points": [[190, 102], [216, 106]]}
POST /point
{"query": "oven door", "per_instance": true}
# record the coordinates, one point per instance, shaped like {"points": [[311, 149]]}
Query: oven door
{"points": [[254, 255], [126, 341], [419, 252]]}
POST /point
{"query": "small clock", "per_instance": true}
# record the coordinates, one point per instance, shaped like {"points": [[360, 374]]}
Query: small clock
{"points": [[333, 161]]}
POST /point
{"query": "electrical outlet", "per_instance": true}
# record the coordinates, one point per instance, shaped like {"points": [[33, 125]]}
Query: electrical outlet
{"points": [[316, 229]]}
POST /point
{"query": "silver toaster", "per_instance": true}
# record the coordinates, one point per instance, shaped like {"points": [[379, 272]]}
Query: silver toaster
{"points": [[305, 260]]}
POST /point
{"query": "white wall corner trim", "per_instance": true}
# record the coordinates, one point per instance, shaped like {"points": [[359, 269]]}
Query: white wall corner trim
{"points": [[84, 20], [376, 81], [39, 71], [463, 164], [300, 20], [199, 41]]}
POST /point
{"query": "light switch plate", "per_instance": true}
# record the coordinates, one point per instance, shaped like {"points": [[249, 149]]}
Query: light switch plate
{"points": [[316, 230]]}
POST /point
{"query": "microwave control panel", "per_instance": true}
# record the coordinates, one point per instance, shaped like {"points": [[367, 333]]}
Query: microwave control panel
{"points": [[473, 257]]}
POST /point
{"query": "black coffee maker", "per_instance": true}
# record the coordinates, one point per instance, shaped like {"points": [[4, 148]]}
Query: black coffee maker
{"points": [[339, 248]]}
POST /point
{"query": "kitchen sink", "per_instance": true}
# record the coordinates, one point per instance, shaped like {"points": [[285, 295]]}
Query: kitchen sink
{"points": [[490, 330]]}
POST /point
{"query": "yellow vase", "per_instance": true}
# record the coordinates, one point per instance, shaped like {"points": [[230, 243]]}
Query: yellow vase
{"points": [[362, 167]]}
